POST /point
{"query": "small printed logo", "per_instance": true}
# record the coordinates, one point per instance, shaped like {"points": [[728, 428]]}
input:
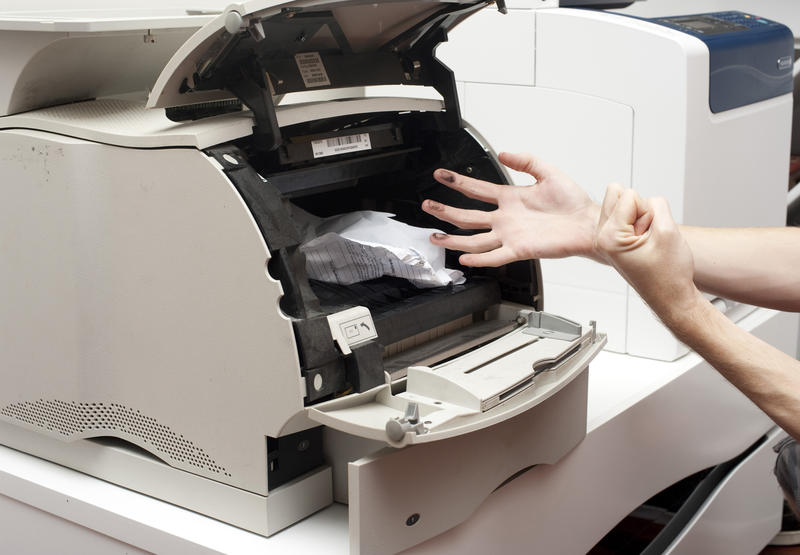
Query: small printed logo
{"points": [[785, 62]]}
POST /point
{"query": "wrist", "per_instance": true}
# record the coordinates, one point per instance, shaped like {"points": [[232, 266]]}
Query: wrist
{"points": [[686, 313], [588, 248]]}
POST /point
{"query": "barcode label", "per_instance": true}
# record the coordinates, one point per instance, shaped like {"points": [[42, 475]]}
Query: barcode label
{"points": [[311, 69], [339, 145]]}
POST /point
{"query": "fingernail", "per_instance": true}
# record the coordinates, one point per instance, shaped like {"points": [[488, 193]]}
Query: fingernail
{"points": [[439, 236], [445, 175], [433, 205]]}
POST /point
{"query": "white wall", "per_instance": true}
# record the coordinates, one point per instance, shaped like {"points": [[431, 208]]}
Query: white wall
{"points": [[784, 11]]}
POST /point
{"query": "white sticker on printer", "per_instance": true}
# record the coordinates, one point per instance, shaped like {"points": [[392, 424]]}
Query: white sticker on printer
{"points": [[339, 145], [311, 69]]}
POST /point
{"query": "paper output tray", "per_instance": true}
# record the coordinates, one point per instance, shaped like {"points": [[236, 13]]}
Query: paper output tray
{"points": [[474, 391]]}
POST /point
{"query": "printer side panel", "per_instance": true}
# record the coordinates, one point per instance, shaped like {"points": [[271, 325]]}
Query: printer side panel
{"points": [[553, 126], [737, 164], [136, 304], [701, 162], [635, 63], [668, 143], [588, 136]]}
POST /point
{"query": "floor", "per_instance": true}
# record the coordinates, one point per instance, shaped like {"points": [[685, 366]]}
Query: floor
{"points": [[781, 550], [633, 534]]}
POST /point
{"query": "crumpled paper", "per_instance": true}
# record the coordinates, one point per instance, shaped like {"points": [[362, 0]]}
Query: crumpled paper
{"points": [[363, 245]]}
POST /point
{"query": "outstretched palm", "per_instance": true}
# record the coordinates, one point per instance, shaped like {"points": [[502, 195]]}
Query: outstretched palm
{"points": [[554, 218]]}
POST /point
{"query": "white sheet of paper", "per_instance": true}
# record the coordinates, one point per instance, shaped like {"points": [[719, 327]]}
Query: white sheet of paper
{"points": [[365, 245]]}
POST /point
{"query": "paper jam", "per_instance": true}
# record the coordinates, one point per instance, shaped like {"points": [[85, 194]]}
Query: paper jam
{"points": [[365, 245]]}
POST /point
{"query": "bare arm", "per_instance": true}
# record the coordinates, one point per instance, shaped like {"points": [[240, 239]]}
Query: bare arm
{"points": [[758, 266], [555, 218], [664, 263], [658, 262], [769, 377]]}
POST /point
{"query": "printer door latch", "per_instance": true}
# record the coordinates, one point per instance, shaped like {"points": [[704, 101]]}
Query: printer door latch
{"points": [[396, 428]]}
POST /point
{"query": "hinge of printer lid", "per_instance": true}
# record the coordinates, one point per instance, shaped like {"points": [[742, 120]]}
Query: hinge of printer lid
{"points": [[439, 75], [418, 45], [260, 55], [253, 89], [247, 80]]}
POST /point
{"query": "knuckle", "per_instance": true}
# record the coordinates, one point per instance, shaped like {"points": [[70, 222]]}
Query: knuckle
{"points": [[531, 163]]}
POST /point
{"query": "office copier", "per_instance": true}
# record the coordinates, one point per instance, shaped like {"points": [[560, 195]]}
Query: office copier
{"points": [[159, 328], [695, 108], [160, 331]]}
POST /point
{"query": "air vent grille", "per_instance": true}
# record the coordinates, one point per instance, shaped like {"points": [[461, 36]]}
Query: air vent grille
{"points": [[104, 419]]}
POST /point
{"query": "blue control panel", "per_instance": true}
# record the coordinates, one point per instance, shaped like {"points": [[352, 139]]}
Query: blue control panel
{"points": [[751, 57]]}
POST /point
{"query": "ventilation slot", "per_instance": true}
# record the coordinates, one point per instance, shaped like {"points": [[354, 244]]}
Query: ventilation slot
{"points": [[98, 419]]}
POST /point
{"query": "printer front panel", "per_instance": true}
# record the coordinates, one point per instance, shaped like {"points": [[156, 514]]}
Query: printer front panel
{"points": [[136, 304], [153, 306]]}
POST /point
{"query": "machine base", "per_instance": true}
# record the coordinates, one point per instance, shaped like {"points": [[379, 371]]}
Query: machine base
{"points": [[136, 470]]}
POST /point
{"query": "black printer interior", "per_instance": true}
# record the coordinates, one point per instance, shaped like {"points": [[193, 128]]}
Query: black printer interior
{"points": [[394, 175]]}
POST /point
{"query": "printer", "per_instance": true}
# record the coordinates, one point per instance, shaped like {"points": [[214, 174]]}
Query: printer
{"points": [[693, 108], [159, 328]]}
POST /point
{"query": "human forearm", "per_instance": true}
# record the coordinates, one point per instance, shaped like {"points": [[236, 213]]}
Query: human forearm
{"points": [[766, 375], [658, 260], [753, 265]]}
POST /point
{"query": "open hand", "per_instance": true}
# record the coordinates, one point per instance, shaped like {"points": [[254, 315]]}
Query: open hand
{"points": [[554, 218]]}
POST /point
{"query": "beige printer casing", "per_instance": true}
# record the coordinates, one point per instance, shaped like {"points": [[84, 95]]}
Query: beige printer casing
{"points": [[143, 336]]}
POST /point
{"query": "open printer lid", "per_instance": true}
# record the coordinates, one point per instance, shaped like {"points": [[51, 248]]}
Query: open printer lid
{"points": [[260, 49]]}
